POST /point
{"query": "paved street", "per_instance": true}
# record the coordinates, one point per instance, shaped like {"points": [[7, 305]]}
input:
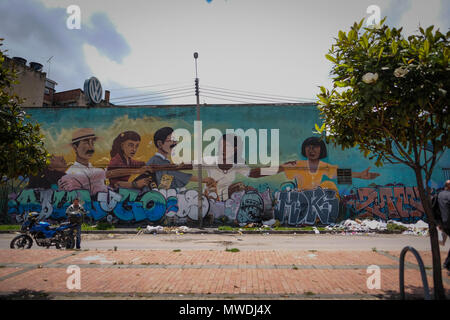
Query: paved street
{"points": [[198, 267], [323, 242]]}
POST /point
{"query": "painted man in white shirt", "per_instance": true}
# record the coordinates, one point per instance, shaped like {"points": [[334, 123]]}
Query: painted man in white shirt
{"points": [[225, 172], [82, 175]]}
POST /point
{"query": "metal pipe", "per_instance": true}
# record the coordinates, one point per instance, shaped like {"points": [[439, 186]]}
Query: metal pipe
{"points": [[422, 272]]}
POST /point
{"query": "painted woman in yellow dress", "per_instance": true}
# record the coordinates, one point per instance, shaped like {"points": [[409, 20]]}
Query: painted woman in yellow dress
{"points": [[309, 173]]}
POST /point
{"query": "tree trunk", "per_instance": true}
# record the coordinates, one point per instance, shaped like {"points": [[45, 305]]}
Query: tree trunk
{"points": [[439, 292]]}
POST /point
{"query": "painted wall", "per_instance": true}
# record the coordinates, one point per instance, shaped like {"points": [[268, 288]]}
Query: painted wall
{"points": [[296, 196]]}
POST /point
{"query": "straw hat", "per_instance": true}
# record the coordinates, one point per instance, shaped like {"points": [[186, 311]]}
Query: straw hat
{"points": [[83, 134]]}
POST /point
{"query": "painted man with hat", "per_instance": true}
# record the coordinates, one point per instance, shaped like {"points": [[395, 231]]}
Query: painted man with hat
{"points": [[82, 175]]}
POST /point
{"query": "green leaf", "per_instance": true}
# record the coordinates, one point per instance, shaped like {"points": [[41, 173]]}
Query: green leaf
{"points": [[317, 127], [426, 47], [364, 42], [323, 100], [360, 23], [388, 33], [331, 58], [381, 52], [394, 47]]}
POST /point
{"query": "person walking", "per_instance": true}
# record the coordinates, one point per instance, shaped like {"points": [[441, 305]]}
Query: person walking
{"points": [[444, 207], [75, 214]]}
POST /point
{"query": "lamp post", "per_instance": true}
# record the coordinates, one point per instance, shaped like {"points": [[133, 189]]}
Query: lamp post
{"points": [[200, 149]]}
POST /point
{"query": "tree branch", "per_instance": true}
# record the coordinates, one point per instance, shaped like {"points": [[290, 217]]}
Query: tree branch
{"points": [[399, 147]]}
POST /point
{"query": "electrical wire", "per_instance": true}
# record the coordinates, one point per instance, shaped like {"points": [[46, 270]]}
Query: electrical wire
{"points": [[154, 93], [156, 96], [225, 99], [266, 100], [257, 93], [157, 99], [152, 102], [212, 92], [149, 86]]}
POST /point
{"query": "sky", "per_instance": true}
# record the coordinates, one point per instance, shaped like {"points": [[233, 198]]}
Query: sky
{"points": [[135, 47]]}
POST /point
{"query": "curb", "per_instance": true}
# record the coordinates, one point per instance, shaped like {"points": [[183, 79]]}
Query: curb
{"points": [[215, 231]]}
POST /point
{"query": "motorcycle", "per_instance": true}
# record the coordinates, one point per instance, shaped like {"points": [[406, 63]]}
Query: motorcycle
{"points": [[43, 234]]}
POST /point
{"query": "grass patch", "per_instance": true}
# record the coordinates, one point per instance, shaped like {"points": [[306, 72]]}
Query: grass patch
{"points": [[9, 227], [393, 227], [226, 228], [294, 267], [25, 294], [177, 250], [86, 227], [232, 250], [374, 249], [98, 226], [309, 293], [229, 228]]}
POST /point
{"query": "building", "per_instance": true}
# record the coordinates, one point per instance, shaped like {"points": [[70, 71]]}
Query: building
{"points": [[39, 91], [31, 81]]}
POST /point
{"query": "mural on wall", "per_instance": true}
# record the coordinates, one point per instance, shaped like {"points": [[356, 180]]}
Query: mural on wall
{"points": [[387, 202], [120, 165]]}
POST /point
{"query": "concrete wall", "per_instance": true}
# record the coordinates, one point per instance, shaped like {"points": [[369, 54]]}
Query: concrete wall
{"points": [[31, 84], [297, 196]]}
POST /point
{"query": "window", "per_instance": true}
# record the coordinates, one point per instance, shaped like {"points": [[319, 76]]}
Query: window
{"points": [[344, 176]]}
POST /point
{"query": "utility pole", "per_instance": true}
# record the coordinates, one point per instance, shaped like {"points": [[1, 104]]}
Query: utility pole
{"points": [[200, 149], [49, 61]]}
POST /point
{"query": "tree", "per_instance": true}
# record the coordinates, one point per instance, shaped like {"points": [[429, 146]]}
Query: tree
{"points": [[390, 98], [22, 151]]}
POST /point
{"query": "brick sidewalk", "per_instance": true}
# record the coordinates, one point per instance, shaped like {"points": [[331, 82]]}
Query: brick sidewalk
{"points": [[200, 274]]}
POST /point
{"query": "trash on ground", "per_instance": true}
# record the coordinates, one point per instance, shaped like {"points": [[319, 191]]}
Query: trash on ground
{"points": [[159, 229], [368, 226]]}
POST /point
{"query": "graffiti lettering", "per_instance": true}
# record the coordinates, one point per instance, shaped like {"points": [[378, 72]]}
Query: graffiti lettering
{"points": [[304, 207], [127, 204], [389, 203]]}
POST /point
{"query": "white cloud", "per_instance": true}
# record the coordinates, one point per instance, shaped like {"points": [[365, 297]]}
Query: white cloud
{"points": [[275, 47]]}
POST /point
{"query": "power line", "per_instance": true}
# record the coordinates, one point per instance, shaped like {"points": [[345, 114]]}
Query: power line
{"points": [[258, 93], [263, 99], [149, 86], [153, 101], [154, 93], [225, 99], [146, 100]]}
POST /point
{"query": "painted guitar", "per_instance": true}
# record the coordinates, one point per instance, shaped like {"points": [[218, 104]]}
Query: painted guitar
{"points": [[137, 174]]}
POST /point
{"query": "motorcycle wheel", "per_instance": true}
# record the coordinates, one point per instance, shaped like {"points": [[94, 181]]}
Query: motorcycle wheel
{"points": [[21, 242], [61, 240]]}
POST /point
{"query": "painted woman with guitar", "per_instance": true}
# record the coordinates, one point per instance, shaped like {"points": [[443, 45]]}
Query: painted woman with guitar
{"points": [[123, 150]]}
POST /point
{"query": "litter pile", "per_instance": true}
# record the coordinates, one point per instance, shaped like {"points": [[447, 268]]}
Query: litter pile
{"points": [[357, 225], [160, 229]]}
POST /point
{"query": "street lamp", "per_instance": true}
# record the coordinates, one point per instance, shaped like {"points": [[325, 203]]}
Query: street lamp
{"points": [[200, 148]]}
